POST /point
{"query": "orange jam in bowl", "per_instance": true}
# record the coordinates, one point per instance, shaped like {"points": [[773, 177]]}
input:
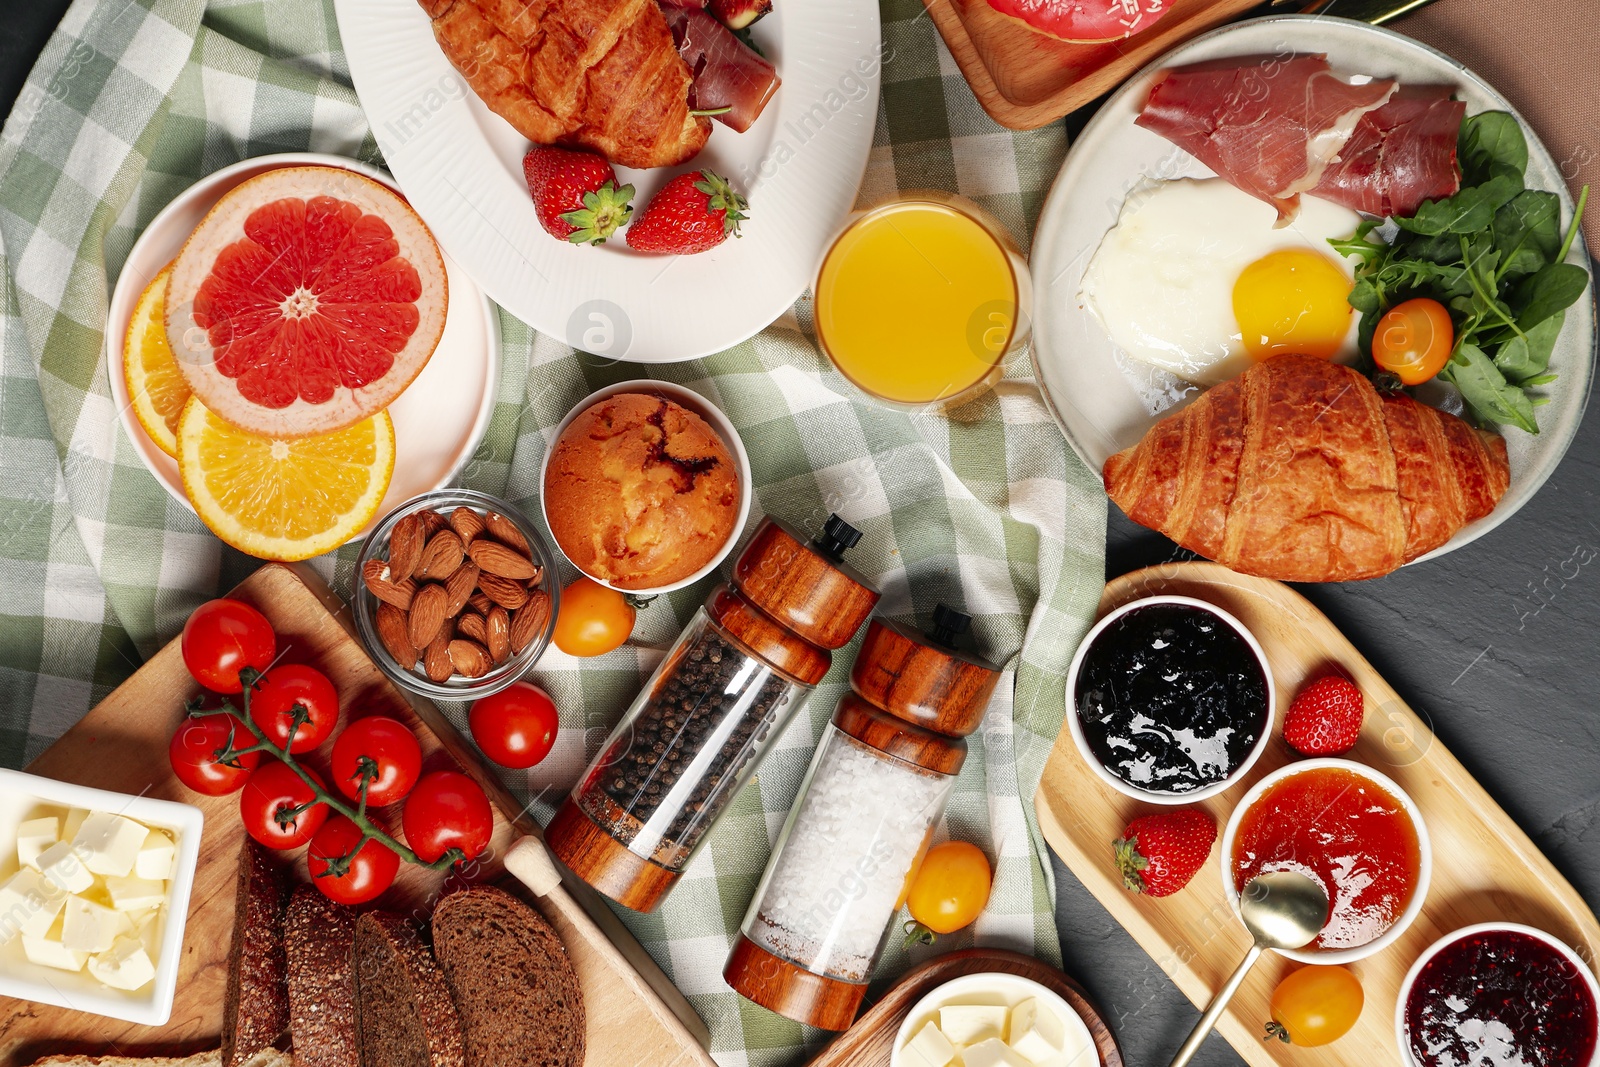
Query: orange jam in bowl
{"points": [[1350, 830]]}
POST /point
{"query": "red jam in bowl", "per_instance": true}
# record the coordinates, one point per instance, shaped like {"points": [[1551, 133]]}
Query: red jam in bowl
{"points": [[1348, 835], [1501, 998]]}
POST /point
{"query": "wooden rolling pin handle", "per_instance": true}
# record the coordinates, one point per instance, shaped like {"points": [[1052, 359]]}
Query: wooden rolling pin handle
{"points": [[533, 866]]}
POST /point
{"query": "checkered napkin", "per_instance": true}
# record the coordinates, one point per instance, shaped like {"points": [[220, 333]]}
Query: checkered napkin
{"points": [[985, 509]]}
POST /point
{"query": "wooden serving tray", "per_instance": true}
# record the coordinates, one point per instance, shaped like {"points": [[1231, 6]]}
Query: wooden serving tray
{"points": [[869, 1042], [1025, 79], [634, 1014], [1484, 867]]}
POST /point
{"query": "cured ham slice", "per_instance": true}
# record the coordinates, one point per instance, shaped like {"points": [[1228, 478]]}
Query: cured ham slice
{"points": [[727, 72], [1085, 21], [1269, 126], [1399, 155]]}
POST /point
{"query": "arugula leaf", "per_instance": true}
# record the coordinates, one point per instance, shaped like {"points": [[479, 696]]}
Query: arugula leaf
{"points": [[1469, 211], [1489, 144], [1526, 355], [1554, 287], [1486, 389]]}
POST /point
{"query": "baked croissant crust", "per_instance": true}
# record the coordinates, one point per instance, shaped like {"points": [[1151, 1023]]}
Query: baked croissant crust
{"points": [[1300, 470], [597, 74]]}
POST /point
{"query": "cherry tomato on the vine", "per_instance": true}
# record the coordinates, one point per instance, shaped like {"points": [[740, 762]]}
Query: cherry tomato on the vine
{"points": [[516, 726], [271, 792], [278, 693], [447, 810], [1413, 340], [382, 747], [950, 889], [1315, 1005], [367, 872], [195, 748], [592, 620], [221, 637]]}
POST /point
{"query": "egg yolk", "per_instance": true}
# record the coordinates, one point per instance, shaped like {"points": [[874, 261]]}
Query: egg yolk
{"points": [[1293, 300]]}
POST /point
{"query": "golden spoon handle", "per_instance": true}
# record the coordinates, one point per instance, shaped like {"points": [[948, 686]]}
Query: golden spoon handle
{"points": [[1218, 1005]]}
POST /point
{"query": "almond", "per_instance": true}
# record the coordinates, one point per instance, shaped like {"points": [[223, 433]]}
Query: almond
{"points": [[496, 558], [529, 622], [506, 531], [472, 625], [427, 614], [499, 626], [441, 557], [381, 584], [459, 588], [436, 662], [479, 602], [405, 545], [432, 522], [503, 591], [469, 658], [392, 631], [466, 523]]}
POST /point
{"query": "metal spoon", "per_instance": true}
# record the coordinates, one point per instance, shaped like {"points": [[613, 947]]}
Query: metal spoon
{"points": [[1281, 910]]}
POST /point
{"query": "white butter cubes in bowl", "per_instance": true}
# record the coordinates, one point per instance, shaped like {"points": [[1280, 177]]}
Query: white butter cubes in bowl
{"points": [[993, 1019], [94, 891]]}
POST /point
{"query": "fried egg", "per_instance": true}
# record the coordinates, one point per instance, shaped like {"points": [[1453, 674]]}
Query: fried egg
{"points": [[1195, 278]]}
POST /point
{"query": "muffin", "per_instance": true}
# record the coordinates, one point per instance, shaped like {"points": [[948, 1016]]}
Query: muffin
{"points": [[640, 492]]}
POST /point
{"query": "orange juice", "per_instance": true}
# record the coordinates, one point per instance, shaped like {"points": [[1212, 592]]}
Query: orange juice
{"points": [[917, 302]]}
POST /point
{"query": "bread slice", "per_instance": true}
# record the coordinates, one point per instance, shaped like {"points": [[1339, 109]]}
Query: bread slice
{"points": [[267, 1057], [515, 989], [318, 936], [405, 1016], [256, 1013]]}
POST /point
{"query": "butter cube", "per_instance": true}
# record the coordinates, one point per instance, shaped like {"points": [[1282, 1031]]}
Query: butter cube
{"points": [[990, 1052], [1037, 1032], [125, 965], [73, 823], [109, 844], [33, 837], [62, 866], [155, 857], [135, 894], [91, 927], [147, 927], [28, 905], [48, 951], [968, 1024], [929, 1048]]}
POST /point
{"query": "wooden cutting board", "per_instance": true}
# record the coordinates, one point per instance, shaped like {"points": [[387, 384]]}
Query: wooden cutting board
{"points": [[869, 1041], [1025, 79], [634, 1014], [1484, 867]]}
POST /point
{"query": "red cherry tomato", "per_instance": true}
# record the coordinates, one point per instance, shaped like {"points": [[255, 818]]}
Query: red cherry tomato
{"points": [[516, 726], [271, 792], [368, 872], [1413, 340], [221, 637], [276, 696], [447, 810], [194, 750], [394, 755]]}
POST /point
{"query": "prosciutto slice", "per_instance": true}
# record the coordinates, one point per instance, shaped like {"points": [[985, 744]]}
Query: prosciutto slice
{"points": [[727, 72], [1269, 126], [1399, 155]]}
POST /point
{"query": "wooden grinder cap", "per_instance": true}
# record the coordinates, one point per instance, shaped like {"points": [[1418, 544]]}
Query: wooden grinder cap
{"points": [[924, 679], [898, 738], [756, 631], [804, 585]]}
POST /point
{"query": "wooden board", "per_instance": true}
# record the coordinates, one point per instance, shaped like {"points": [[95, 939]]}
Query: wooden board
{"points": [[1484, 866], [869, 1041], [1025, 79], [122, 745]]}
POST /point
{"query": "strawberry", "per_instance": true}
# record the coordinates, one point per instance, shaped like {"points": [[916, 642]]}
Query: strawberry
{"points": [[576, 194], [1325, 719], [694, 212], [1158, 854]]}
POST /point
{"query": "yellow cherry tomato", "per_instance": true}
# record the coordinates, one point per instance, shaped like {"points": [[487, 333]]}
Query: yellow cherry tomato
{"points": [[1413, 340], [593, 620], [1315, 1005], [949, 891]]}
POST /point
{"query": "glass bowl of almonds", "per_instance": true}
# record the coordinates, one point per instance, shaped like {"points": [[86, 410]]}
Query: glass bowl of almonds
{"points": [[456, 594]]}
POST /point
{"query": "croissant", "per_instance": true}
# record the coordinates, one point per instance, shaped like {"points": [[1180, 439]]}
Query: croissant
{"points": [[1300, 470], [598, 74]]}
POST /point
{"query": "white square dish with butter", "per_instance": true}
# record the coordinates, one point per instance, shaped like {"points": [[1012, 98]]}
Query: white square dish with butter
{"points": [[94, 891], [993, 1020]]}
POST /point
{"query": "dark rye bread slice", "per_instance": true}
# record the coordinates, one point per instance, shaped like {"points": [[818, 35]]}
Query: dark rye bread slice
{"points": [[256, 1012], [519, 999], [319, 936], [404, 1014]]}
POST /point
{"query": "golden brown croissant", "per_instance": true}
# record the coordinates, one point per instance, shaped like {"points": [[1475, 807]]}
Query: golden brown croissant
{"points": [[600, 74], [1300, 470]]}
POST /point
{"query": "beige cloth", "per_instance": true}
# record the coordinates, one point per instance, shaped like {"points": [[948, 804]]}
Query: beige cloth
{"points": [[1540, 55]]}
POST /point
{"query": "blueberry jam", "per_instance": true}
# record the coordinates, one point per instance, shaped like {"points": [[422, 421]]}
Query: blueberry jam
{"points": [[1501, 999], [1171, 698]]}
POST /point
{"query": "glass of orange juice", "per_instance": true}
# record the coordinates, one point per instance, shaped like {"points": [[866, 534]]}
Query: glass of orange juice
{"points": [[921, 298]]}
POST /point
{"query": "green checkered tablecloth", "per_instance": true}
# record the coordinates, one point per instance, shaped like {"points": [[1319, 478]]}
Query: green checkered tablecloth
{"points": [[987, 509]]}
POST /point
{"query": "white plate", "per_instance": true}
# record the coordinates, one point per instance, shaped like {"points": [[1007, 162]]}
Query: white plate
{"points": [[439, 420], [1100, 400], [999, 988], [800, 166]]}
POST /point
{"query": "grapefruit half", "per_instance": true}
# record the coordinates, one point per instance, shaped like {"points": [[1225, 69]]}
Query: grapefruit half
{"points": [[306, 300], [1086, 21]]}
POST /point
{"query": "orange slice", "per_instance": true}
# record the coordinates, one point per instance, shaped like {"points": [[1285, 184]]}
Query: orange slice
{"points": [[156, 386], [284, 499]]}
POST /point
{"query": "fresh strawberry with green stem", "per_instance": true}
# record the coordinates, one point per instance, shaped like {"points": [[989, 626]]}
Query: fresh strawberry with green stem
{"points": [[1158, 854], [576, 194], [694, 212], [1325, 718]]}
